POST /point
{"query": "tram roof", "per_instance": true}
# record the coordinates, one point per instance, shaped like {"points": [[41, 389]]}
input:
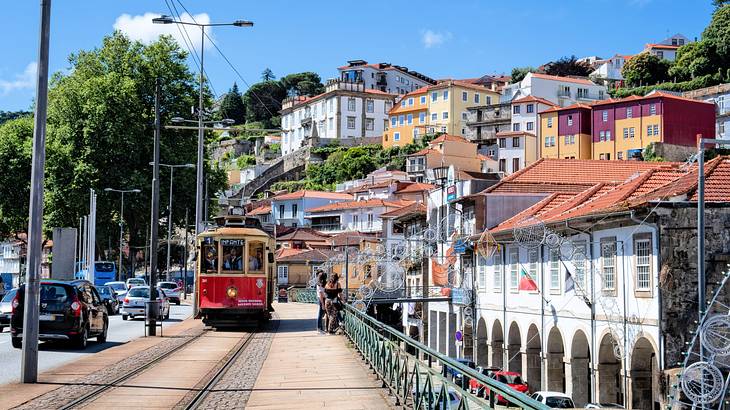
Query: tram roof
{"points": [[234, 230]]}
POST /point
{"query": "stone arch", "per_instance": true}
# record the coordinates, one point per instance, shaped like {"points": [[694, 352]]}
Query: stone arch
{"points": [[497, 345], [481, 341], [514, 348], [555, 363], [580, 368], [644, 375], [610, 383], [533, 347]]}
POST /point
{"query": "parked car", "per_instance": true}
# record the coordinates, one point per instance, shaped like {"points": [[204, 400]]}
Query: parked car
{"points": [[456, 376], [554, 400], [6, 308], [134, 303], [172, 290], [452, 403], [511, 379], [71, 311], [475, 386], [120, 288], [131, 282], [109, 297], [603, 406]]}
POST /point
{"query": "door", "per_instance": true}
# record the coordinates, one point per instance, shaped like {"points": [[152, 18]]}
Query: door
{"points": [[94, 304], [282, 276]]}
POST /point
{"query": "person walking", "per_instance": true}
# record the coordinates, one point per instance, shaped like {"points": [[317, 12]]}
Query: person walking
{"points": [[321, 318], [333, 295]]}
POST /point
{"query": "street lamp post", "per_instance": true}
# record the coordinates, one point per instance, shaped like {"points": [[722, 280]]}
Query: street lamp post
{"points": [[169, 210], [121, 222]]}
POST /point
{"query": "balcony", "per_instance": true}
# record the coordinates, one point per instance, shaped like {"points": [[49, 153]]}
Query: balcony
{"points": [[328, 227], [564, 93], [415, 168]]}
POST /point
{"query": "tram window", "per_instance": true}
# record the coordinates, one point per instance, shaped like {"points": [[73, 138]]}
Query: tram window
{"points": [[256, 256], [210, 255], [233, 254]]}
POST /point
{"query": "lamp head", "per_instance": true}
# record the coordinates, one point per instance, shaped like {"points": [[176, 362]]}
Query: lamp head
{"points": [[243, 23], [177, 119], [108, 189], [163, 19], [189, 165], [136, 191], [228, 121]]}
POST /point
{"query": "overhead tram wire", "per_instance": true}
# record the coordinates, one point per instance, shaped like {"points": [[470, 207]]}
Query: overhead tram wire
{"points": [[189, 44], [227, 60]]}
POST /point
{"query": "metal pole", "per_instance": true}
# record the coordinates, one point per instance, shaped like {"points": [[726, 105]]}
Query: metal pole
{"points": [[199, 171], [154, 223], [29, 363], [185, 258], [121, 235], [701, 235], [169, 225]]}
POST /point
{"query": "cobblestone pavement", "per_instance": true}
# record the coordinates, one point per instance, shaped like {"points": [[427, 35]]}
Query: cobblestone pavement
{"points": [[234, 389], [83, 385]]}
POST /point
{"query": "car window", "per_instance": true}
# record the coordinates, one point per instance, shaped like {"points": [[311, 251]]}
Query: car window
{"points": [[116, 286], [168, 285], [104, 290], [559, 402], [162, 293], [139, 293], [53, 293], [9, 296], [94, 295]]}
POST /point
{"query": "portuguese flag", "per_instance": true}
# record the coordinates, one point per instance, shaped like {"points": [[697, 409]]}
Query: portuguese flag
{"points": [[526, 281]]}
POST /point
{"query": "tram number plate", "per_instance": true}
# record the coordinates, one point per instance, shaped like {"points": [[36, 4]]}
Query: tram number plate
{"points": [[233, 242]]}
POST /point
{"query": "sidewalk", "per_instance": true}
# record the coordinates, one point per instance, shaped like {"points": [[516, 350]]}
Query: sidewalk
{"points": [[15, 394], [307, 370]]}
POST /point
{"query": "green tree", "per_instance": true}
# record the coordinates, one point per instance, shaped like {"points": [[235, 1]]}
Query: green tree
{"points": [[717, 34], [307, 83], [645, 69], [694, 60], [267, 75], [566, 66], [232, 105], [519, 73], [263, 102], [11, 115], [15, 155]]}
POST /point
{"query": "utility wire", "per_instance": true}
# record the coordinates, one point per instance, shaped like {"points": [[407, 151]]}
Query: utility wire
{"points": [[228, 61]]}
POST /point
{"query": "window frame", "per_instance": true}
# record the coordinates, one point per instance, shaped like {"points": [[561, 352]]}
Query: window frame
{"points": [[609, 288], [497, 272], [643, 291], [554, 270], [514, 269]]}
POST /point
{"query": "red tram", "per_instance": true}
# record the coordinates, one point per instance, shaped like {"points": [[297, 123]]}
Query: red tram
{"points": [[235, 272]]}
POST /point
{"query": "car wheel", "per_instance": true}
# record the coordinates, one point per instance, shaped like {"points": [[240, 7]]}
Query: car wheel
{"points": [[167, 315], [17, 342], [1, 329], [177, 302], [82, 339], [102, 337], [125, 317]]}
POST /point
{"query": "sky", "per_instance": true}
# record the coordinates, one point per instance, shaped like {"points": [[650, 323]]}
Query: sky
{"points": [[452, 39]]}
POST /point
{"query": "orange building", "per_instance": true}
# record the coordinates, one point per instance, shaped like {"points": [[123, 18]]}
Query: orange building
{"points": [[408, 119]]}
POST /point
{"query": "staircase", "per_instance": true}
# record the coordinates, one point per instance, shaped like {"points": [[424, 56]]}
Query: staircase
{"points": [[290, 167]]}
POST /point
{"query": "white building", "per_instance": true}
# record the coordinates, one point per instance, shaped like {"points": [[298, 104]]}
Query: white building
{"points": [[610, 69], [667, 48], [346, 112], [519, 147], [360, 215], [385, 77], [720, 96], [562, 91]]}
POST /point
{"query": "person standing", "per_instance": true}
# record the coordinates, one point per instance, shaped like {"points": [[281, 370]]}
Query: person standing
{"points": [[333, 295], [321, 319]]}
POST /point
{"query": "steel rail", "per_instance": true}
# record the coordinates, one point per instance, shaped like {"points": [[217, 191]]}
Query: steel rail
{"points": [[205, 391], [134, 372]]}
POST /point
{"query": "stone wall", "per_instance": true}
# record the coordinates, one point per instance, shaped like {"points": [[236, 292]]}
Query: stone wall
{"points": [[678, 270], [235, 147], [672, 152]]}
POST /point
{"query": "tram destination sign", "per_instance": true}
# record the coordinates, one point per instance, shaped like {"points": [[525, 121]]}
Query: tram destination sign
{"points": [[233, 242]]}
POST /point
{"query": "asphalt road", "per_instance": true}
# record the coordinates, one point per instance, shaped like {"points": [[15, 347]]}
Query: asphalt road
{"points": [[56, 354]]}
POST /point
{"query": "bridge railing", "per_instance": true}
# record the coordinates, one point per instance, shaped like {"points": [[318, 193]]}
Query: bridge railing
{"points": [[417, 375]]}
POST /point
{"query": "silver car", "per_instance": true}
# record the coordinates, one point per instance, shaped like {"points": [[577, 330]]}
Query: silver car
{"points": [[6, 308], [172, 290], [135, 302], [120, 288]]}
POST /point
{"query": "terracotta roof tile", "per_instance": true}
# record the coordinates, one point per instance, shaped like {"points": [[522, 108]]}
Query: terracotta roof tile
{"points": [[414, 208], [262, 210], [302, 234], [370, 203], [565, 79], [532, 98], [316, 255], [346, 238], [569, 107], [448, 137], [312, 194], [415, 187]]}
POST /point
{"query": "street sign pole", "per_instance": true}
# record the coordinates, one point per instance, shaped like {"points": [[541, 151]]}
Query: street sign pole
{"points": [[154, 223], [29, 363]]}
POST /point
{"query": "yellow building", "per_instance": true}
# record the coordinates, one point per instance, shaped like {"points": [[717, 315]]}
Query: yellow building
{"points": [[565, 132], [440, 108], [407, 119]]}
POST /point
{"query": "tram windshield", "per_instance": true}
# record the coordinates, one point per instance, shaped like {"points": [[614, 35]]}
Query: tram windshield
{"points": [[256, 256], [233, 251], [210, 256]]}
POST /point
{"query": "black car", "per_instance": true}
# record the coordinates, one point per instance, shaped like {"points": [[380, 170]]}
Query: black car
{"points": [[109, 297], [71, 311]]}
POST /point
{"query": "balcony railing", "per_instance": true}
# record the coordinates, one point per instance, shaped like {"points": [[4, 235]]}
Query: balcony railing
{"points": [[327, 227], [415, 168], [564, 93]]}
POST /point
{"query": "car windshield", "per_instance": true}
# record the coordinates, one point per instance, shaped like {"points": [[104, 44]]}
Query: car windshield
{"points": [[116, 285], [559, 402], [509, 379], [139, 293], [9, 296], [104, 291], [168, 285], [51, 293], [136, 280]]}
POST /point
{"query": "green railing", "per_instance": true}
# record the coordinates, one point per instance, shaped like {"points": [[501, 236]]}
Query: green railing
{"points": [[303, 295], [416, 375]]}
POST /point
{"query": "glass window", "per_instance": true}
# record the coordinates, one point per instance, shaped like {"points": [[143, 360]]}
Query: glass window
{"points": [[393, 121], [629, 112], [422, 118], [351, 123], [410, 101], [233, 250], [515, 142], [530, 126], [476, 98], [371, 106], [530, 108], [570, 120], [652, 109], [608, 263], [604, 116], [643, 263], [56, 294], [434, 96], [350, 104], [550, 122], [434, 117], [369, 124], [533, 260], [497, 266], [446, 95], [514, 261], [256, 256], [554, 269], [209, 250], [445, 115], [409, 119], [423, 99], [464, 96]]}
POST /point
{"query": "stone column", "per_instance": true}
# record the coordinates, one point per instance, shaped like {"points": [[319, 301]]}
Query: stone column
{"points": [[555, 372], [610, 385], [568, 377], [580, 381]]}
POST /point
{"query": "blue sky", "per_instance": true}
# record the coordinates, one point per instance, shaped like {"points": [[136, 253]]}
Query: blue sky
{"points": [[456, 39]]}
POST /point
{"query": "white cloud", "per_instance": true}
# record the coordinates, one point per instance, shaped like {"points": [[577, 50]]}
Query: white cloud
{"points": [[432, 38], [140, 27], [23, 81]]}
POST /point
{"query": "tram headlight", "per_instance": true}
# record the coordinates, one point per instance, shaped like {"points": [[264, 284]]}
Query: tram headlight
{"points": [[232, 292]]}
